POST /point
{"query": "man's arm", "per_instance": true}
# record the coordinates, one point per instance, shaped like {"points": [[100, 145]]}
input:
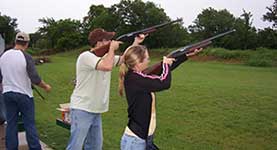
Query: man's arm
{"points": [[183, 58], [33, 74], [45, 86], [139, 39], [194, 52], [1, 78], [106, 63]]}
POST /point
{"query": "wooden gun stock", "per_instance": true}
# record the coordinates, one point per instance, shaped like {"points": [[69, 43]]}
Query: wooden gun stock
{"points": [[102, 50], [154, 69]]}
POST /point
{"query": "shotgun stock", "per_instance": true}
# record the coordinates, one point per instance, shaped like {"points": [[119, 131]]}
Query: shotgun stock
{"points": [[101, 51], [156, 68]]}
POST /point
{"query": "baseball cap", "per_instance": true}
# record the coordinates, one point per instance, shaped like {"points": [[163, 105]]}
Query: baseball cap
{"points": [[99, 34], [21, 36]]}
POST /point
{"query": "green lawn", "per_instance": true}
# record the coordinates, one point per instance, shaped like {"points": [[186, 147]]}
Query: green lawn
{"points": [[210, 106]]}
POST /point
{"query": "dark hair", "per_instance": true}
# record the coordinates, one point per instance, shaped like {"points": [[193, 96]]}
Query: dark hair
{"points": [[22, 43]]}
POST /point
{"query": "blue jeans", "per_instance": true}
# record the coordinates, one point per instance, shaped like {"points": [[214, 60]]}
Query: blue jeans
{"points": [[19, 103], [150, 143], [132, 143], [86, 129], [2, 109]]}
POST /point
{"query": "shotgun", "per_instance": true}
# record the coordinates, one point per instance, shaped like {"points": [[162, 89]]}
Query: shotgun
{"points": [[156, 68], [42, 97], [101, 51]]}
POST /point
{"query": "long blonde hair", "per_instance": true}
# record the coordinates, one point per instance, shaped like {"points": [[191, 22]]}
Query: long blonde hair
{"points": [[132, 56]]}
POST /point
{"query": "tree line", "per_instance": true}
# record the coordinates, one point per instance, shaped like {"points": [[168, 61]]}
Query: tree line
{"points": [[132, 15]]}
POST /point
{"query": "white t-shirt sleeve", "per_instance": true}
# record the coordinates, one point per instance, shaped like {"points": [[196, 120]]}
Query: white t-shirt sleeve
{"points": [[91, 60], [116, 60]]}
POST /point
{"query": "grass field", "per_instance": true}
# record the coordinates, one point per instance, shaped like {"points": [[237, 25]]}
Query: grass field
{"points": [[210, 106]]}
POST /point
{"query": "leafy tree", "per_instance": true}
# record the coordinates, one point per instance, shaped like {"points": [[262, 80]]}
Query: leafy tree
{"points": [[128, 16], [34, 38], [245, 36], [61, 34], [8, 27], [99, 17], [267, 38], [135, 15], [271, 15], [211, 22], [48, 31]]}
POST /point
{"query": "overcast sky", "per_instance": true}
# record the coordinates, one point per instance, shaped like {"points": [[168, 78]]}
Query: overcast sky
{"points": [[29, 11]]}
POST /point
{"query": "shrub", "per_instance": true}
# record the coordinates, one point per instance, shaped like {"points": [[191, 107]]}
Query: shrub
{"points": [[259, 62], [261, 57], [226, 54]]}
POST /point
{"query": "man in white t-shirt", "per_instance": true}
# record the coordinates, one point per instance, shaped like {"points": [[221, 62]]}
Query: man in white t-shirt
{"points": [[90, 97], [17, 74]]}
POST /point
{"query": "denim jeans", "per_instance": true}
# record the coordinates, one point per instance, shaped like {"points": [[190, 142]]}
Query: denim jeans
{"points": [[2, 109], [132, 143], [19, 103], [86, 130], [150, 143]]}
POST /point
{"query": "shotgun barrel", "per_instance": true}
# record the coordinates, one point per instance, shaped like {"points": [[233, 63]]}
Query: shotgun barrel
{"points": [[101, 51], [156, 68]]}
